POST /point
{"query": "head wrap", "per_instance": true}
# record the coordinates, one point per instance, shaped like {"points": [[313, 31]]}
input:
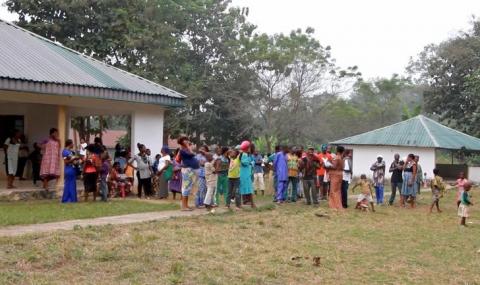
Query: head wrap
{"points": [[244, 145], [324, 147]]}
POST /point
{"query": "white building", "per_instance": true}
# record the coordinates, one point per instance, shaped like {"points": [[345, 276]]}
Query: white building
{"points": [[419, 135], [43, 84]]}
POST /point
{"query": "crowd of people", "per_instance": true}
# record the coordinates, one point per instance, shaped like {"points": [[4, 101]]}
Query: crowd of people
{"points": [[226, 175]]}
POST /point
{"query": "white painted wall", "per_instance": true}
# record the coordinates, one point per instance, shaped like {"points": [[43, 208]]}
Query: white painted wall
{"points": [[147, 128], [365, 156], [474, 174]]}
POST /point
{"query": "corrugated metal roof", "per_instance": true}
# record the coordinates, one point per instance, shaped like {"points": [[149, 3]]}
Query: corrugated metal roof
{"points": [[419, 131], [25, 56]]}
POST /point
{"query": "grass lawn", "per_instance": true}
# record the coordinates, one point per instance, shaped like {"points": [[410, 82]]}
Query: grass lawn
{"points": [[34, 212], [268, 246]]}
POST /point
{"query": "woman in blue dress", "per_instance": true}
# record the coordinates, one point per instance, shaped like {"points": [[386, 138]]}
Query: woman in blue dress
{"points": [[246, 166], [70, 173]]}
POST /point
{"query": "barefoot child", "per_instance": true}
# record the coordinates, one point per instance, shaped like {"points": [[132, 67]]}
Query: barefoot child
{"points": [[465, 203], [366, 192], [460, 184], [438, 188], [211, 179]]}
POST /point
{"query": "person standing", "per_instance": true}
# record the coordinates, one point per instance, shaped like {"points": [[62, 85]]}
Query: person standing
{"points": [[70, 174], [335, 172], [202, 183], [11, 147], [280, 165], [165, 172], [460, 186], [175, 184], [292, 161], [246, 164], [104, 171], [408, 187], [50, 167], [419, 176], [22, 159], [396, 179], [211, 179], [308, 165], [378, 168], [465, 203], [347, 177], [144, 171], [222, 165], [234, 179], [258, 180], [91, 168], [35, 158], [322, 181], [190, 168], [270, 161]]}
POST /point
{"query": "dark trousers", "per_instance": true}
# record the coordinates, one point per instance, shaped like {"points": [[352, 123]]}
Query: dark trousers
{"points": [[146, 185], [324, 187], [292, 196], [310, 190], [22, 161], [395, 186], [345, 185], [35, 172], [234, 191]]}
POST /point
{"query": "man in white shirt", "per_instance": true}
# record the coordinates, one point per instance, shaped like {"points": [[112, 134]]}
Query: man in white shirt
{"points": [[347, 177]]}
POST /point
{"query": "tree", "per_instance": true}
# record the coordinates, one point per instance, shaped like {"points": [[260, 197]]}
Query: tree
{"points": [[190, 46], [449, 70]]}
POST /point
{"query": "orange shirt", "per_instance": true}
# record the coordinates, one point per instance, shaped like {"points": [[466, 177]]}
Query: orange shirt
{"points": [[90, 167], [321, 170]]}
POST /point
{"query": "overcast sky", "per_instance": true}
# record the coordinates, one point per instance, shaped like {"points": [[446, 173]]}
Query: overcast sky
{"points": [[377, 35]]}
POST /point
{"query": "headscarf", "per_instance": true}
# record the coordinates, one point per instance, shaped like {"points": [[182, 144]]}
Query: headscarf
{"points": [[244, 145], [324, 147]]}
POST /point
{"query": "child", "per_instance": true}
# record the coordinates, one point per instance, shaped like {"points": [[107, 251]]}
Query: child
{"points": [[460, 185], [438, 189], [234, 179], [366, 194], [104, 171], [464, 203], [211, 179], [113, 178]]}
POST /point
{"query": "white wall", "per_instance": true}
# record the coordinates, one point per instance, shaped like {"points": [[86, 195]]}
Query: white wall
{"points": [[474, 174], [147, 128], [365, 156]]}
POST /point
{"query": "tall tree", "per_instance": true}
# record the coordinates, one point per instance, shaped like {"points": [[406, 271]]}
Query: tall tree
{"points": [[450, 71]]}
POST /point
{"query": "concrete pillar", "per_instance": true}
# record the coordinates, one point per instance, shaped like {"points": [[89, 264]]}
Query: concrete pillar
{"points": [[62, 135], [147, 128]]}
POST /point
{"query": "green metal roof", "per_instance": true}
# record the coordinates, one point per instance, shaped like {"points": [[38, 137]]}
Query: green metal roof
{"points": [[419, 131], [31, 63]]}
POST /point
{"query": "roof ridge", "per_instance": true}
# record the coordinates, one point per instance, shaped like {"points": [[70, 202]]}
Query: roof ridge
{"points": [[378, 129], [89, 57], [450, 129], [435, 143]]}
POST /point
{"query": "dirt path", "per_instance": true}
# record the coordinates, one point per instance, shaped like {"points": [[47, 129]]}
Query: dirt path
{"points": [[112, 220]]}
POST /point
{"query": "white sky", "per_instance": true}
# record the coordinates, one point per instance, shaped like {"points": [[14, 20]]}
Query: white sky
{"points": [[377, 35]]}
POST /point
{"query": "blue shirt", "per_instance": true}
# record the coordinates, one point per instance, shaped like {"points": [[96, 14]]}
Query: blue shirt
{"points": [[281, 166], [188, 160], [201, 160], [258, 168]]}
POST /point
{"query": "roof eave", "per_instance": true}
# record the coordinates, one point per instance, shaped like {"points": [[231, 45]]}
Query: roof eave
{"points": [[89, 92]]}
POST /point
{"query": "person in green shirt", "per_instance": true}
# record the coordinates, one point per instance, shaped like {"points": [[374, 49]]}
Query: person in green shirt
{"points": [[465, 203]]}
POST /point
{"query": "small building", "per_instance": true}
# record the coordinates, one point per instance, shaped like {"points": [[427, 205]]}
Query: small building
{"points": [[419, 135], [43, 84]]}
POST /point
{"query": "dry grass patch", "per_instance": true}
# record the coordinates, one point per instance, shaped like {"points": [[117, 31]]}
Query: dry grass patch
{"points": [[268, 246]]}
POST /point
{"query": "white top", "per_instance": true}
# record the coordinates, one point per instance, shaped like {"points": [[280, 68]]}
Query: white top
{"points": [[12, 150], [83, 149], [347, 176], [163, 161], [143, 166]]}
